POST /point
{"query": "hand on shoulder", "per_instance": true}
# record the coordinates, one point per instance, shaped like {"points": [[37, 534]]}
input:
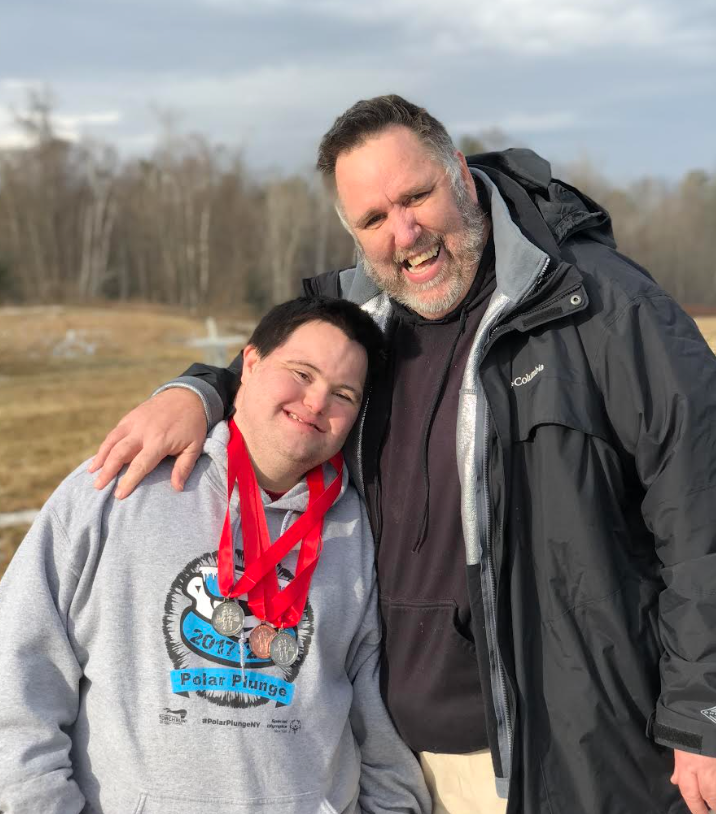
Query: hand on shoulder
{"points": [[171, 423]]}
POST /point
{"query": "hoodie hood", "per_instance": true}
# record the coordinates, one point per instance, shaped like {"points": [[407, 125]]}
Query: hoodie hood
{"points": [[295, 500]]}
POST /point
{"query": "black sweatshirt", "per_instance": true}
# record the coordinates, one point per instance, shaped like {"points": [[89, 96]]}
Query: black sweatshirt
{"points": [[429, 655]]}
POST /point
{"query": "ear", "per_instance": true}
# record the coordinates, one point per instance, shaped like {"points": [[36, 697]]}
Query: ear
{"points": [[467, 176], [251, 359]]}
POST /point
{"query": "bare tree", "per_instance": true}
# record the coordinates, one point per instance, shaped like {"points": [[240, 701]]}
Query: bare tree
{"points": [[189, 225], [288, 214]]}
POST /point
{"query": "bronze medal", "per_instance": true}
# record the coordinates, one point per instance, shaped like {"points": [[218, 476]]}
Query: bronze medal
{"points": [[228, 619], [283, 649], [260, 640]]}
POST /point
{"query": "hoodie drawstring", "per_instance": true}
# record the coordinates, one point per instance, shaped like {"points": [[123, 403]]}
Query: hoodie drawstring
{"points": [[428, 429]]}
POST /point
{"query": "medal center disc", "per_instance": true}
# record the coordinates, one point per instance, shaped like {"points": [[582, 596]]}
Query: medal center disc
{"points": [[260, 640], [228, 619], [283, 649]]}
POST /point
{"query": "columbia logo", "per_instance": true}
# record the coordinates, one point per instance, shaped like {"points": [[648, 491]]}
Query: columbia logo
{"points": [[710, 714], [520, 380]]}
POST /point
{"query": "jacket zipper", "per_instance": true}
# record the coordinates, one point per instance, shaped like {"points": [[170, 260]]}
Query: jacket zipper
{"points": [[501, 702], [502, 711], [503, 715], [489, 586]]}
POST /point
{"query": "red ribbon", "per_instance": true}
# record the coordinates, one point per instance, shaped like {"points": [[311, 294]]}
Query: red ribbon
{"points": [[281, 608]]}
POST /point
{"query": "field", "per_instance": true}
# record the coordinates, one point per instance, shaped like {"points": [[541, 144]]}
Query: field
{"points": [[68, 374], [708, 329]]}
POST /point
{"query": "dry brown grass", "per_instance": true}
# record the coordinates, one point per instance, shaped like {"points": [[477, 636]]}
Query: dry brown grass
{"points": [[708, 329], [54, 411]]}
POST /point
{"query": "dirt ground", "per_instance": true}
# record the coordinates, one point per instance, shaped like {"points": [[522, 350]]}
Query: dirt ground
{"points": [[68, 374]]}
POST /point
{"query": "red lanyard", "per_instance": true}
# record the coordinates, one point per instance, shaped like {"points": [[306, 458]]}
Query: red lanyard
{"points": [[282, 608]]}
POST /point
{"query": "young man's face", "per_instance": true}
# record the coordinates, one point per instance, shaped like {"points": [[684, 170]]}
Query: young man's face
{"points": [[296, 405], [418, 243]]}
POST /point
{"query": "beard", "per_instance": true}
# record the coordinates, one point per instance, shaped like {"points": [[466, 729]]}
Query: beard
{"points": [[457, 274]]}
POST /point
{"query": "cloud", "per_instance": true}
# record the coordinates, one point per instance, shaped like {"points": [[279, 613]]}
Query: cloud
{"points": [[11, 137], [289, 92], [524, 28], [71, 127], [519, 122], [555, 27], [13, 85]]}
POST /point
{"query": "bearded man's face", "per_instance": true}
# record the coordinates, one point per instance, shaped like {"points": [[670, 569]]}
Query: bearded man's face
{"points": [[418, 237]]}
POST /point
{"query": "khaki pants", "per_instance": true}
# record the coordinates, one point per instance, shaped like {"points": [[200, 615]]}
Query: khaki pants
{"points": [[462, 784]]}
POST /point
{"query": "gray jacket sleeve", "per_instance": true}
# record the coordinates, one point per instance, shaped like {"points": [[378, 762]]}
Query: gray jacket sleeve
{"points": [[391, 779], [39, 690], [656, 361]]}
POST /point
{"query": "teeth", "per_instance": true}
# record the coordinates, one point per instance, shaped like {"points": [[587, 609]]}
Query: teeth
{"points": [[421, 258], [300, 420]]}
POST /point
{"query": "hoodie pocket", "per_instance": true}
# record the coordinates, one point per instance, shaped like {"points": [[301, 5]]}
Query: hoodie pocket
{"points": [[429, 677], [306, 803]]}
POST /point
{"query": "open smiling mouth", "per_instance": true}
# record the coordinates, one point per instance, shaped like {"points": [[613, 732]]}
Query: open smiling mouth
{"points": [[420, 263], [298, 420]]}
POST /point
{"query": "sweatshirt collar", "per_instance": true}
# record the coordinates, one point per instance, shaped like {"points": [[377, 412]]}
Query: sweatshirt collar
{"points": [[296, 499]]}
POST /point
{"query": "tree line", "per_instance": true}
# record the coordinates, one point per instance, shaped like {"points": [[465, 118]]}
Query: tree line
{"points": [[190, 225]]}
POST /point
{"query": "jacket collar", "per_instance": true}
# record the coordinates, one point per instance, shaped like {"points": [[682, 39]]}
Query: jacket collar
{"points": [[522, 174]]}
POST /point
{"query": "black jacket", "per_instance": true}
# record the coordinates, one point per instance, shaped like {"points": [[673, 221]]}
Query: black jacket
{"points": [[587, 448]]}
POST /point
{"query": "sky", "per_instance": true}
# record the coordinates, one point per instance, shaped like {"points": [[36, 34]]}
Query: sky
{"points": [[629, 84]]}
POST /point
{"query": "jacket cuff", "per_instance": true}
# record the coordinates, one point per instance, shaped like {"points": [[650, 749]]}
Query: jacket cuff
{"points": [[678, 732], [210, 399]]}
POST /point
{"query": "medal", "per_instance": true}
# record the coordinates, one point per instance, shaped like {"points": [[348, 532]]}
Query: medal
{"points": [[260, 640], [276, 607], [283, 649], [228, 618]]}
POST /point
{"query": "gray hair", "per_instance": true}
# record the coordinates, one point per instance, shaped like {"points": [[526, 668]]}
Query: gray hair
{"points": [[368, 117]]}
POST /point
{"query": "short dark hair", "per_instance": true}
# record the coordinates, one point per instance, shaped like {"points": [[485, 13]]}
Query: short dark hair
{"points": [[282, 320], [368, 117]]}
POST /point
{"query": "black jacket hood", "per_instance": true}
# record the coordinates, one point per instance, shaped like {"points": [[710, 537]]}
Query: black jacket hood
{"points": [[525, 182]]}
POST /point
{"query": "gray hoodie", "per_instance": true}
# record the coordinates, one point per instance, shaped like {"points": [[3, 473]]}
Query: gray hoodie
{"points": [[117, 696]]}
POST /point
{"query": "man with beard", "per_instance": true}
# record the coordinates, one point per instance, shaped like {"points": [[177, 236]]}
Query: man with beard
{"points": [[266, 610], [539, 466]]}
